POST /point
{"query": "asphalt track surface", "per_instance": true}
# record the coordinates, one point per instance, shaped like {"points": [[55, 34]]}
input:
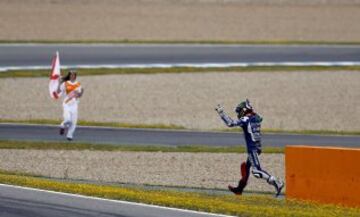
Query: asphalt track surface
{"points": [[26, 202], [27, 56], [124, 136]]}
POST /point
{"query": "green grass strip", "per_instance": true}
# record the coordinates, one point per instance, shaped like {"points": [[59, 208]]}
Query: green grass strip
{"points": [[247, 205], [215, 42], [122, 71], [95, 123], [314, 132], [5, 144], [304, 132]]}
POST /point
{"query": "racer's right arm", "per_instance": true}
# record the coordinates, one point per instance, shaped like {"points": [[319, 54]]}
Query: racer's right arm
{"points": [[227, 119]]}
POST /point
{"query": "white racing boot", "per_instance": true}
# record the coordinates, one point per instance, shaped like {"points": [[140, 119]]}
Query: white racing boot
{"points": [[279, 185]]}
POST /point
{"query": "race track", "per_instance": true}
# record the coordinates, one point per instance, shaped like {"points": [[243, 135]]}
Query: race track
{"points": [[32, 56], [26, 202], [124, 136]]}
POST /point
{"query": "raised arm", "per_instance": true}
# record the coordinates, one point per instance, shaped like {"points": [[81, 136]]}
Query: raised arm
{"points": [[227, 119]]}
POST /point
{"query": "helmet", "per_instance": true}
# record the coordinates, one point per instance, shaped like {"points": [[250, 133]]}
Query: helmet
{"points": [[243, 108]]}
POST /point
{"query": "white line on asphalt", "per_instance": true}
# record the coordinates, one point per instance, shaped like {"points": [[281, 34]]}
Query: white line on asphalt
{"points": [[195, 65], [113, 201]]}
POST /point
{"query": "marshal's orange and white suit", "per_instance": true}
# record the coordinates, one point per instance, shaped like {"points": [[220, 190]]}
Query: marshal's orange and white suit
{"points": [[70, 91]]}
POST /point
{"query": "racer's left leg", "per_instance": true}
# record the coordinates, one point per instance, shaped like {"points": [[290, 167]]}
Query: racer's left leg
{"points": [[258, 172]]}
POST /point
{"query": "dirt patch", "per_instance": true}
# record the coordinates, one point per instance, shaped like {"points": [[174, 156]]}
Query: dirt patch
{"points": [[242, 20], [169, 169], [286, 100]]}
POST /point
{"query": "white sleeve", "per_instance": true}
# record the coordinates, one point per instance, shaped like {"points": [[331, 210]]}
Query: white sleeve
{"points": [[62, 89]]}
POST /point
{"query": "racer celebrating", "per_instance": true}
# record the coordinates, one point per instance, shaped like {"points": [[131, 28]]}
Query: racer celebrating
{"points": [[250, 122]]}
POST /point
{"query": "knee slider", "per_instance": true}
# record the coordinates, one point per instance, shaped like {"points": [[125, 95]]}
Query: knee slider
{"points": [[257, 173]]}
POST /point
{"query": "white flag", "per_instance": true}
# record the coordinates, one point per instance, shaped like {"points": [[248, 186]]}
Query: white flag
{"points": [[54, 76]]}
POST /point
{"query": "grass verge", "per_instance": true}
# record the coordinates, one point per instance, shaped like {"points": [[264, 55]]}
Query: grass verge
{"points": [[313, 132], [304, 132], [176, 127], [220, 42], [97, 124], [249, 205], [5, 144], [122, 71]]}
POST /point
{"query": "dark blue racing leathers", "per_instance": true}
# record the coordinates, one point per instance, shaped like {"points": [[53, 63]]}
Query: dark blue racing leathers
{"points": [[251, 125]]}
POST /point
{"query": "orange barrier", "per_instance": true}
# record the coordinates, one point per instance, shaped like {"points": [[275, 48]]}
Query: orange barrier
{"points": [[323, 174]]}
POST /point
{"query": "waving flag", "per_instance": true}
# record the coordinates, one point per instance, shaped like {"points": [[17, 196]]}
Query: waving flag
{"points": [[54, 76]]}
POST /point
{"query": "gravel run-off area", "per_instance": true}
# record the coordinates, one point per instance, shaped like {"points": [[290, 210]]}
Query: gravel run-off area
{"points": [[328, 100], [202, 170], [222, 20]]}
